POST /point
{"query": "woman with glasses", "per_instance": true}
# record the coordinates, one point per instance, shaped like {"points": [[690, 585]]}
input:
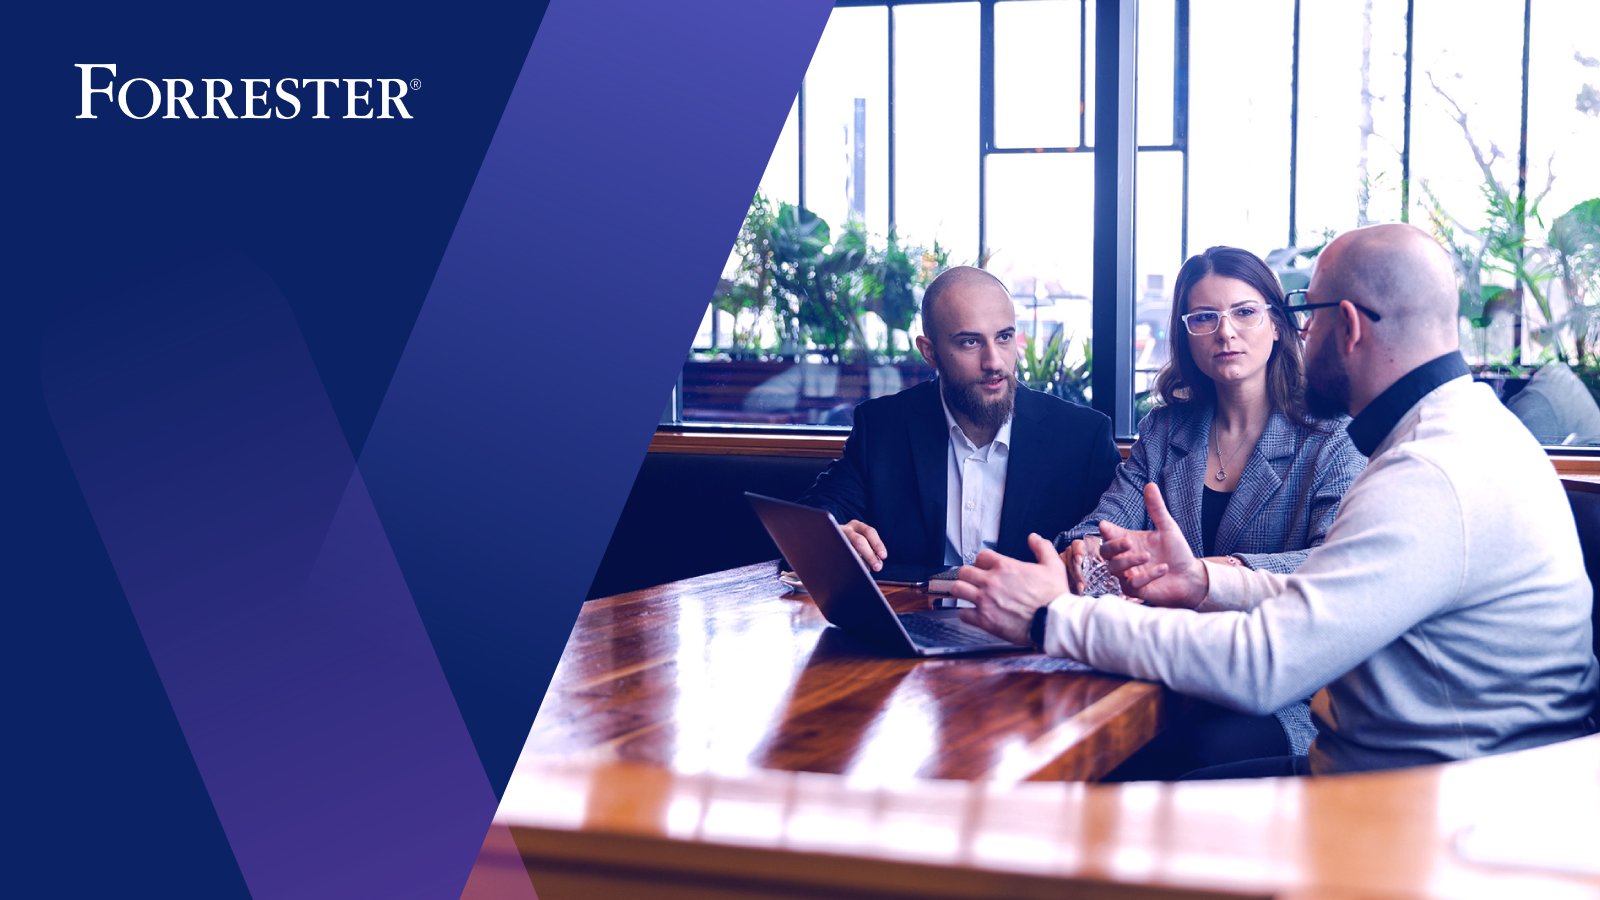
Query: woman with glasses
{"points": [[1251, 478]]}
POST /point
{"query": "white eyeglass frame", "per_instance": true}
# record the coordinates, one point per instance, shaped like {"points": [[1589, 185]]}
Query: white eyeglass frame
{"points": [[1264, 311]]}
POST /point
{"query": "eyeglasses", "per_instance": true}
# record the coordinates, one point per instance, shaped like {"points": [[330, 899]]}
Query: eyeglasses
{"points": [[1302, 311], [1207, 321]]}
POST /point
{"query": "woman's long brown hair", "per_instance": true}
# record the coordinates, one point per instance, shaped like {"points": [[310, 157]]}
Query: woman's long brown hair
{"points": [[1180, 379]]}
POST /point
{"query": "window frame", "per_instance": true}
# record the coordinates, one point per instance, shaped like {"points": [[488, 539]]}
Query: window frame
{"points": [[1116, 153]]}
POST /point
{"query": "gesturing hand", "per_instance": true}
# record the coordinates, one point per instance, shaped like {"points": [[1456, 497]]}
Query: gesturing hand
{"points": [[1155, 566], [868, 545], [1007, 591]]}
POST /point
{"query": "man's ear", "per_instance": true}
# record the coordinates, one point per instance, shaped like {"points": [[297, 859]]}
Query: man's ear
{"points": [[1354, 325], [925, 347]]}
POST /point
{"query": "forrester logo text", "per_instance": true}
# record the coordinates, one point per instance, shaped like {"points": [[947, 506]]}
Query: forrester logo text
{"points": [[257, 98]]}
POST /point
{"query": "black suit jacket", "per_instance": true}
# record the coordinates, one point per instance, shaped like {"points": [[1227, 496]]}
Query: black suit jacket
{"points": [[892, 475]]}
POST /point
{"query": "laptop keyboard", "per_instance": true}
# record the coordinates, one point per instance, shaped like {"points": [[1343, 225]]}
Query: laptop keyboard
{"points": [[933, 632]]}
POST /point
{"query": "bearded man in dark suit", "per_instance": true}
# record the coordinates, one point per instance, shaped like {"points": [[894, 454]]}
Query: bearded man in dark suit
{"points": [[972, 460]]}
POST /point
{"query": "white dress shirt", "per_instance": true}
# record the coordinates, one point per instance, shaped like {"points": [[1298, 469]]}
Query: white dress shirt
{"points": [[975, 488]]}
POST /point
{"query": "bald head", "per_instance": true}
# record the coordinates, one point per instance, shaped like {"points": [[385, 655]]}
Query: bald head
{"points": [[1401, 273], [956, 277], [1398, 274]]}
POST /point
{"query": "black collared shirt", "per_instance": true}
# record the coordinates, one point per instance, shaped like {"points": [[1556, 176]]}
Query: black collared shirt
{"points": [[1380, 417]]}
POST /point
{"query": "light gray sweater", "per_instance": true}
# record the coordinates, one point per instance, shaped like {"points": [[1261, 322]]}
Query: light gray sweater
{"points": [[1448, 612]]}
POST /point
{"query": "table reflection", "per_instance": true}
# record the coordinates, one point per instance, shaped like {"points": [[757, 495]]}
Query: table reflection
{"points": [[731, 673]]}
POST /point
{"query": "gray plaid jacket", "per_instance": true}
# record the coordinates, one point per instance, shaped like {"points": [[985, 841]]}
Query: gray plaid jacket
{"points": [[1286, 499], [1284, 503]]}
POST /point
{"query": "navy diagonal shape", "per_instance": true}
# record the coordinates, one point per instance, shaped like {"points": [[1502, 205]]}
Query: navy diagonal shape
{"points": [[264, 587], [582, 260], [571, 289]]}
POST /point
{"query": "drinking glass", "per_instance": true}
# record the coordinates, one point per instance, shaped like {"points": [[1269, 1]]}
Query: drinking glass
{"points": [[1097, 578]]}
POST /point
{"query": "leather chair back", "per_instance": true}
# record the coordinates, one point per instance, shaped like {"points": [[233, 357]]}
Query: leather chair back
{"points": [[1584, 496], [687, 516]]}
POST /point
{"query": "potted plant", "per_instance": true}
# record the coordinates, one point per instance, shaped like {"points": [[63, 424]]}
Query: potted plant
{"points": [[1573, 251], [747, 296], [1047, 368]]}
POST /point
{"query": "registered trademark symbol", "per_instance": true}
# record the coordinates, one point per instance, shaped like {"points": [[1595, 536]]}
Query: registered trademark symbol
{"points": [[416, 83]]}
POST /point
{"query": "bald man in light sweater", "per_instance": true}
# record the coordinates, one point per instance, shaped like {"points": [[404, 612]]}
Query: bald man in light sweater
{"points": [[1447, 615]]}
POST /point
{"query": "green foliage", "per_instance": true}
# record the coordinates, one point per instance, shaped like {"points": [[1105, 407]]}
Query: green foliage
{"points": [[820, 282], [749, 293], [1573, 251], [1325, 237], [1466, 254], [1144, 402], [816, 285], [1506, 249], [1040, 367], [1494, 297], [1046, 368], [888, 281], [1574, 244], [891, 280], [1502, 245]]}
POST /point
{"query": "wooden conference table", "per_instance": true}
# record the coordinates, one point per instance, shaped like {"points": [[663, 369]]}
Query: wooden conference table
{"points": [[711, 738], [732, 673]]}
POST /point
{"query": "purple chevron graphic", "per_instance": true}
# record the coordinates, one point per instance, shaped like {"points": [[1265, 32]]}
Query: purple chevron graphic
{"points": [[265, 588], [351, 723]]}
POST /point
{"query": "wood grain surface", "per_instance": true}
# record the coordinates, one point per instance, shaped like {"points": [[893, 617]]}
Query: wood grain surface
{"points": [[623, 829], [731, 673], [711, 739]]}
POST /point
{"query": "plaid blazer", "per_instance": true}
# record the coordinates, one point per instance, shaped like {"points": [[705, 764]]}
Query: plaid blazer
{"points": [[1283, 505], [1286, 499]]}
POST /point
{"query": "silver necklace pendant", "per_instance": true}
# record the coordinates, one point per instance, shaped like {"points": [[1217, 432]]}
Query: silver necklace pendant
{"points": [[1216, 447]]}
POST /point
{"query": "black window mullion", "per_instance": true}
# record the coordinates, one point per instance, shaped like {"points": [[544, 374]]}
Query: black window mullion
{"points": [[985, 118], [1522, 174], [1083, 72], [890, 13], [1405, 141], [1180, 112], [1294, 125], [1115, 159], [1180, 73], [801, 123]]}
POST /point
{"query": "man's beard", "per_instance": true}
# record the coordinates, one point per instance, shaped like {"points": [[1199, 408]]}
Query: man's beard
{"points": [[1327, 380], [986, 412]]}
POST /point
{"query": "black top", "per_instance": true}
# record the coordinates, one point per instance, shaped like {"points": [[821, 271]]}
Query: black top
{"points": [[1212, 506], [1380, 417]]}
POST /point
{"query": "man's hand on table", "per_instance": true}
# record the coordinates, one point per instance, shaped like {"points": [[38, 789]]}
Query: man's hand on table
{"points": [[1155, 566], [1006, 591], [868, 545]]}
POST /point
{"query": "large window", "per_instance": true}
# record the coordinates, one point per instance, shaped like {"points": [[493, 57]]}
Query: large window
{"points": [[930, 134], [925, 135]]}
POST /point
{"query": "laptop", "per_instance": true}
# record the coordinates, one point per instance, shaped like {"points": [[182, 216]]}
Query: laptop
{"points": [[844, 590]]}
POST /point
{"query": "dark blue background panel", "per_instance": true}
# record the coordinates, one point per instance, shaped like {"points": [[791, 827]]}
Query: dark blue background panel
{"points": [[570, 292], [349, 218], [102, 797], [599, 228], [248, 548]]}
